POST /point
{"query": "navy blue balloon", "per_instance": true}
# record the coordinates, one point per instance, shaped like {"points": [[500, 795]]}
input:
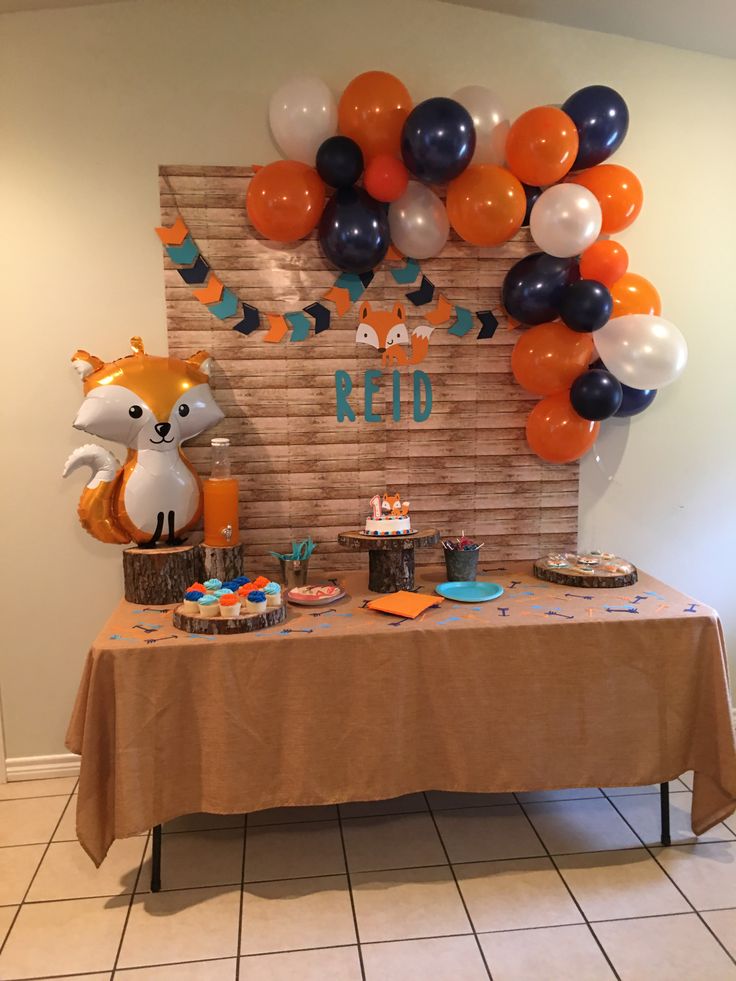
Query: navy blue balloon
{"points": [[634, 401], [596, 395], [339, 161], [353, 230], [438, 140], [533, 287], [601, 118], [586, 306], [532, 193]]}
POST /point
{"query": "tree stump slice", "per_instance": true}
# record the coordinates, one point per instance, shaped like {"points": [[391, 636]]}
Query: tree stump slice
{"points": [[158, 576], [390, 558], [619, 574], [223, 563], [229, 625]]}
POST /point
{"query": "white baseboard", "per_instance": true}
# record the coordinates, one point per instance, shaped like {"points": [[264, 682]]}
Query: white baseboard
{"points": [[42, 767]]}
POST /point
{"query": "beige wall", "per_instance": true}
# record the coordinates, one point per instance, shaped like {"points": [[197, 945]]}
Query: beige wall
{"points": [[94, 98]]}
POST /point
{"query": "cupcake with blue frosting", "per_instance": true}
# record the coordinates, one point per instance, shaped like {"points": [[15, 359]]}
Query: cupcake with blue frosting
{"points": [[212, 585], [191, 601], [255, 601], [232, 584], [209, 606], [273, 594], [219, 593]]}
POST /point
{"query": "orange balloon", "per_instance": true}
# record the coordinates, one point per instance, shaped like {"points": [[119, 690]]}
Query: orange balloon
{"points": [[605, 261], [372, 111], [619, 194], [549, 357], [541, 146], [557, 433], [285, 200], [634, 294], [486, 204]]}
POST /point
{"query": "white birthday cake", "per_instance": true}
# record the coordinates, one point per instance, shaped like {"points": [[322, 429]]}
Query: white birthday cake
{"points": [[390, 516]]}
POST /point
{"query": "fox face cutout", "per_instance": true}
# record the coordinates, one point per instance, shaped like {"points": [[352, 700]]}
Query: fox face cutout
{"points": [[393, 506], [386, 331], [151, 405], [146, 402]]}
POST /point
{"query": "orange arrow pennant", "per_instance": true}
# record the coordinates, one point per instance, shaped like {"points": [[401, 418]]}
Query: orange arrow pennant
{"points": [[340, 297], [277, 328], [210, 292], [174, 235], [441, 313], [393, 254]]}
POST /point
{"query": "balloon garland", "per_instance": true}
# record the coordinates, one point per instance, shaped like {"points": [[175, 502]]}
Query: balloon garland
{"points": [[596, 344]]}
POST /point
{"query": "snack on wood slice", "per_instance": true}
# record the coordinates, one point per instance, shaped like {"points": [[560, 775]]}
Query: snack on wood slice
{"points": [[256, 601], [209, 606], [273, 594], [230, 605], [191, 601], [390, 516]]}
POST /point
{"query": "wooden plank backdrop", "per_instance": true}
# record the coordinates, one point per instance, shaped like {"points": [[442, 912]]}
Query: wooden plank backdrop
{"points": [[301, 472]]}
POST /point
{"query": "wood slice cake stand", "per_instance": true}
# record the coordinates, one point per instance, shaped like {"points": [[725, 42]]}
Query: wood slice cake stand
{"points": [[610, 572], [390, 558], [229, 625]]}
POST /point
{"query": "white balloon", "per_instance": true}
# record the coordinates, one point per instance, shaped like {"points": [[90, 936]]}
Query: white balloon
{"points": [[302, 114], [565, 220], [419, 223], [490, 121], [642, 350]]}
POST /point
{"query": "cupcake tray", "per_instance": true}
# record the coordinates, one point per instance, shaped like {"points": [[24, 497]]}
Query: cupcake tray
{"points": [[229, 625]]}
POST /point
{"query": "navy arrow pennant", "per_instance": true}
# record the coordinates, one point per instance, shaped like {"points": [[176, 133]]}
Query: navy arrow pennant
{"points": [[366, 279], [197, 273], [251, 320], [488, 322], [321, 316], [423, 295]]}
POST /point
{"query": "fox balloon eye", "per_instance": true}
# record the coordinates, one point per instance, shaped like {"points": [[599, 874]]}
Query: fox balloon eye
{"points": [[183, 410], [135, 411]]}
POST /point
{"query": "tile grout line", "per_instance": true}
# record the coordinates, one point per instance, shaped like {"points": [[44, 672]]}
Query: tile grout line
{"points": [[681, 892], [459, 890], [569, 890], [352, 898], [130, 906], [35, 873], [242, 892]]}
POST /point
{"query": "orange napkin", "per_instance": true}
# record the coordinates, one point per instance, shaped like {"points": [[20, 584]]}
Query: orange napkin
{"points": [[404, 604]]}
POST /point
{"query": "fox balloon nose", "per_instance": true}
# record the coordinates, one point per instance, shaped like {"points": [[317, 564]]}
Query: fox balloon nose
{"points": [[163, 428]]}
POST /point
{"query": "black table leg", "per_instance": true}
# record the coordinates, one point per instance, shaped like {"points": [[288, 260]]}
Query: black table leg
{"points": [[664, 803], [156, 859]]}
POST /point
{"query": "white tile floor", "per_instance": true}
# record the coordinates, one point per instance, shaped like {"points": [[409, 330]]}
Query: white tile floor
{"points": [[430, 887]]}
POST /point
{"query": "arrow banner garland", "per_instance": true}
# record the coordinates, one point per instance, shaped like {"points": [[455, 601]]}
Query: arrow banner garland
{"points": [[347, 290]]}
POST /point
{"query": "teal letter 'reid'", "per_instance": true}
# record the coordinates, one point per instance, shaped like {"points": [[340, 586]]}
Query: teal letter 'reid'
{"points": [[421, 379], [371, 389], [343, 388]]}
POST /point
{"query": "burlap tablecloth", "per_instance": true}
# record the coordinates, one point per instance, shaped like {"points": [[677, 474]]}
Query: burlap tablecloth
{"points": [[546, 687]]}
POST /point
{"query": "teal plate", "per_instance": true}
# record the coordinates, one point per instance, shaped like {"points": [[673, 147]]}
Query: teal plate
{"points": [[469, 592]]}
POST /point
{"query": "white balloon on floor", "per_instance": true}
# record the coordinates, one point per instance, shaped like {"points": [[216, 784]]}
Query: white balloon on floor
{"points": [[565, 220], [641, 350]]}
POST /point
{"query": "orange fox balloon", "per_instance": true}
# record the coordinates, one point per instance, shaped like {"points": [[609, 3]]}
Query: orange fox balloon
{"points": [[151, 405]]}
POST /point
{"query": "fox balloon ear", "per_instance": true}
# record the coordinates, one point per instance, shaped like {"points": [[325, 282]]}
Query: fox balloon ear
{"points": [[137, 345], [399, 312], [365, 311], [85, 363], [202, 361]]}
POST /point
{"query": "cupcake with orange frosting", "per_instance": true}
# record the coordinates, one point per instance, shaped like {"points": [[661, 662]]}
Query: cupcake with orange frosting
{"points": [[230, 605], [259, 583], [198, 586]]}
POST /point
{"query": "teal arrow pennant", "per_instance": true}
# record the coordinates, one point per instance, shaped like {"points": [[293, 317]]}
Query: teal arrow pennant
{"points": [[184, 254], [352, 283], [463, 322], [408, 273], [226, 306], [300, 325]]}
